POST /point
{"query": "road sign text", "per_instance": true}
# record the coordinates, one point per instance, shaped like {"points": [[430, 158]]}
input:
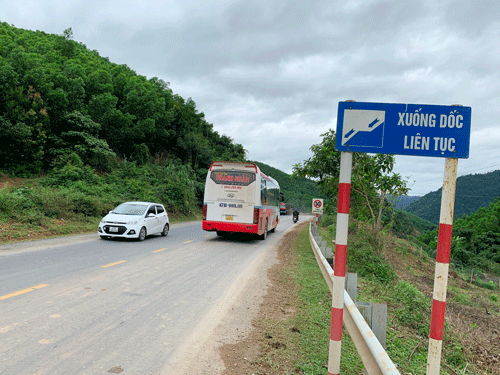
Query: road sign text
{"points": [[404, 129]]}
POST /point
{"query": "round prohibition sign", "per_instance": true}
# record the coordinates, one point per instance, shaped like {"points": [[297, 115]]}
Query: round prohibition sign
{"points": [[317, 203]]}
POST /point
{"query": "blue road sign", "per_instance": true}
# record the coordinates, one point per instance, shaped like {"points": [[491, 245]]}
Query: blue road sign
{"points": [[404, 129]]}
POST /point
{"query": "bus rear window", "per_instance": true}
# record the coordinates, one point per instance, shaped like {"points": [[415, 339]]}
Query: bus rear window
{"points": [[238, 178]]}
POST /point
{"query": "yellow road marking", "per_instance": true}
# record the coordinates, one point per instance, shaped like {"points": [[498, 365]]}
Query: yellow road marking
{"points": [[19, 292], [157, 251], [113, 264], [188, 241]]}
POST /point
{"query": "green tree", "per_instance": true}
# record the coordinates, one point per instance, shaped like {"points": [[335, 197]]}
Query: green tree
{"points": [[23, 129], [81, 138], [66, 44], [372, 178]]}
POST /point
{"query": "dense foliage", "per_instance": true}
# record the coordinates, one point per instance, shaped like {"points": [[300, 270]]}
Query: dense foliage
{"points": [[299, 192], [473, 191], [99, 134], [476, 239], [57, 98]]}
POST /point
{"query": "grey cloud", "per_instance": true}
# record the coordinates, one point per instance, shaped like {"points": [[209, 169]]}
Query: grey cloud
{"points": [[471, 18], [275, 71]]}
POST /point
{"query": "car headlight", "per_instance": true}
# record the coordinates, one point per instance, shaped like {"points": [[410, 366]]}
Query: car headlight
{"points": [[133, 222]]}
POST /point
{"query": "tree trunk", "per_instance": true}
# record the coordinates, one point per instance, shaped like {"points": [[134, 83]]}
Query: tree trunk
{"points": [[378, 224]]}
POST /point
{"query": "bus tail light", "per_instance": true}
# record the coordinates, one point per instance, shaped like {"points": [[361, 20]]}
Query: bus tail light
{"points": [[256, 214], [204, 212]]}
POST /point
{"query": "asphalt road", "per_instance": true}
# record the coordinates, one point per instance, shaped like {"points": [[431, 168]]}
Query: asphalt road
{"points": [[82, 305]]}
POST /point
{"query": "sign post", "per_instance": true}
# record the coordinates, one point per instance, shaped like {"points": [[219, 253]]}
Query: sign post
{"points": [[442, 265], [317, 207], [340, 263], [403, 129]]}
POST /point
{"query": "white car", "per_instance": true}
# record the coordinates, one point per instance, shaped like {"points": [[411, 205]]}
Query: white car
{"points": [[135, 220]]}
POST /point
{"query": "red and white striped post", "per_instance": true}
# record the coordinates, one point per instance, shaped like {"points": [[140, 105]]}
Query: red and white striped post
{"points": [[340, 263], [442, 265]]}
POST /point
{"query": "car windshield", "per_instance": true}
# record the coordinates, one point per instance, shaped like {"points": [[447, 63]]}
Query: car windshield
{"points": [[130, 209]]}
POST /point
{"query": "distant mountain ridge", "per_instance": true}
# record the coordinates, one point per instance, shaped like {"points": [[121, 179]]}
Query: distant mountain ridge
{"points": [[473, 192], [404, 201]]}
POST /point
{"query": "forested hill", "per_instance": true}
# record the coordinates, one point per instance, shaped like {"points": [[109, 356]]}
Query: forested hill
{"points": [[89, 130], [473, 191], [297, 191], [59, 99]]}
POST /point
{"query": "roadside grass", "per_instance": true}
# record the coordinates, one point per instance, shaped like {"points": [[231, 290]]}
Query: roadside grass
{"points": [[400, 275], [394, 271], [302, 339], [31, 210]]}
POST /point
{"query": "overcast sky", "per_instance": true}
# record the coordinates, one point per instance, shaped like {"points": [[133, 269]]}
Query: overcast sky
{"points": [[270, 73]]}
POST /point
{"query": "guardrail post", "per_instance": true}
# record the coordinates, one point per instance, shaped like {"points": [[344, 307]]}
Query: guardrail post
{"points": [[365, 308], [322, 246], [352, 285], [375, 314], [328, 253], [379, 322]]}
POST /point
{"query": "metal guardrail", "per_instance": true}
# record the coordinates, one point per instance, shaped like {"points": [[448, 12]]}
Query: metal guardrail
{"points": [[373, 355]]}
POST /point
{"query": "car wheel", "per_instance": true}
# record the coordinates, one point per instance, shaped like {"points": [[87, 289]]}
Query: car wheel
{"points": [[164, 232], [142, 234]]}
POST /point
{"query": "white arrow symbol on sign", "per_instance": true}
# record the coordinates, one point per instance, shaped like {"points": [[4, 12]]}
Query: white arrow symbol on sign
{"points": [[360, 120]]}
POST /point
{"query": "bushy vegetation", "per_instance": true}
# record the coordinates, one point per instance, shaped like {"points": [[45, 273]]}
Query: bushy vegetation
{"points": [[404, 224], [475, 240], [365, 258], [396, 272], [72, 198]]}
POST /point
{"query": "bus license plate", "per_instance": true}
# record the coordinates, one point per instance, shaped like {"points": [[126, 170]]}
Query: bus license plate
{"points": [[229, 217]]}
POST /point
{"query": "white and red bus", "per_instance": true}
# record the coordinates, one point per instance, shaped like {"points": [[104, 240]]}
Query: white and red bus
{"points": [[239, 198]]}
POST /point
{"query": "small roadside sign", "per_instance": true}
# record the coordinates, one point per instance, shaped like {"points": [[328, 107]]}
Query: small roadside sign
{"points": [[404, 129], [317, 206]]}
